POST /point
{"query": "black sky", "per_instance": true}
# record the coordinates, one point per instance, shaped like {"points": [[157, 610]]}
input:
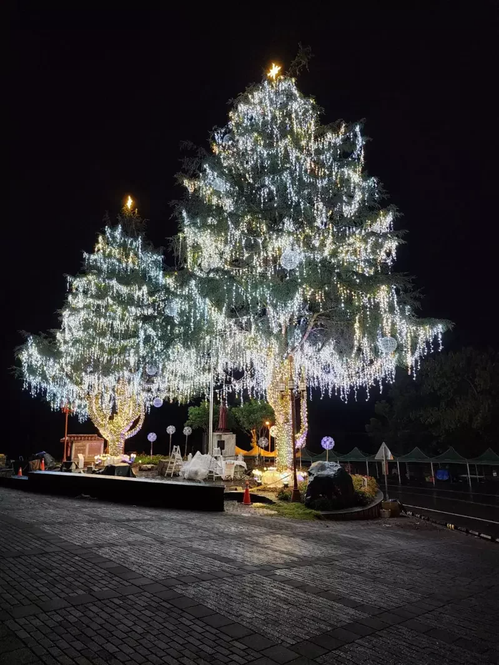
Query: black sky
{"points": [[101, 100]]}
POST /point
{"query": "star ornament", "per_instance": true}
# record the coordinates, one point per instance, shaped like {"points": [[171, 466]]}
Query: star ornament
{"points": [[274, 71]]}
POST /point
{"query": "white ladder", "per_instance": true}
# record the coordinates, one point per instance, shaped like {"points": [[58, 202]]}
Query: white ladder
{"points": [[175, 462]]}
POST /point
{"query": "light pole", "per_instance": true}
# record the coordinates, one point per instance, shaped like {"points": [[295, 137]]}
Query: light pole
{"points": [[295, 496], [66, 411], [210, 419]]}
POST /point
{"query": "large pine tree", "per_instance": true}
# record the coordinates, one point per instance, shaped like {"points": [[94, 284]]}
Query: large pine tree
{"points": [[291, 254], [103, 360]]}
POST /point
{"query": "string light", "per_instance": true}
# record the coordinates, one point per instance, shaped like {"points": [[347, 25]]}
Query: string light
{"points": [[291, 254], [105, 359], [274, 71]]}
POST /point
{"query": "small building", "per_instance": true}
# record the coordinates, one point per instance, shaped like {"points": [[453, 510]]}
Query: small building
{"points": [[88, 445]]}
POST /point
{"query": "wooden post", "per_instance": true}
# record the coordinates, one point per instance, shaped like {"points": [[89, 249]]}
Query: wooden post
{"points": [[432, 474], [469, 477], [398, 472]]}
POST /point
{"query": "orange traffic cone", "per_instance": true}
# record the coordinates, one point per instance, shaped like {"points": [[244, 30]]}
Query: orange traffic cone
{"points": [[20, 472], [42, 465], [246, 497]]}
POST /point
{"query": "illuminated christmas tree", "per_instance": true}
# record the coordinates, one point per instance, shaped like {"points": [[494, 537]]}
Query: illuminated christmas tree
{"points": [[103, 361], [291, 255]]}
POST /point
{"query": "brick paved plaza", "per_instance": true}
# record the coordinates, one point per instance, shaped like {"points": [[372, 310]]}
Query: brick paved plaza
{"points": [[92, 583]]}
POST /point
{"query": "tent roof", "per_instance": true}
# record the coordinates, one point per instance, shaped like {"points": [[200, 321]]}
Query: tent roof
{"points": [[416, 455], [450, 457], [307, 454], [488, 457], [354, 455]]}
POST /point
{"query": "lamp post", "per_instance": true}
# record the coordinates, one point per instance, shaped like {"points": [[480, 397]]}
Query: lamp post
{"points": [[66, 452], [295, 495], [210, 414]]}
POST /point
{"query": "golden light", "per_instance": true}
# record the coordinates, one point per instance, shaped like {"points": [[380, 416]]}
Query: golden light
{"points": [[129, 202], [273, 71]]}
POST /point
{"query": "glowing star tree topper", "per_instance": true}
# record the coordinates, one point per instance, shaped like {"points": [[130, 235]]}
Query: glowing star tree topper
{"points": [[111, 331], [292, 256]]}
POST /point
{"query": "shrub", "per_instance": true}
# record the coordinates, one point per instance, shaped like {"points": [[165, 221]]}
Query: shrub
{"points": [[148, 459], [360, 487], [285, 493]]}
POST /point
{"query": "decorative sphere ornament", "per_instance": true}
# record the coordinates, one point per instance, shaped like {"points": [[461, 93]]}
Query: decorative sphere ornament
{"points": [[172, 309], [263, 442], [218, 183], [171, 429], [151, 370], [291, 259], [327, 443], [210, 262], [273, 431], [157, 402], [187, 431], [152, 436], [388, 344]]}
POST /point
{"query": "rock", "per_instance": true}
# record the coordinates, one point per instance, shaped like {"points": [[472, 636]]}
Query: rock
{"points": [[162, 466], [147, 467], [329, 487]]}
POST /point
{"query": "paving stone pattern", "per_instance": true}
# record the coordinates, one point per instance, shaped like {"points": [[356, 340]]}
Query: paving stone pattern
{"points": [[84, 582]]}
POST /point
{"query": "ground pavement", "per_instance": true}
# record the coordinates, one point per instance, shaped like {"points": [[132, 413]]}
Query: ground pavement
{"points": [[93, 583]]}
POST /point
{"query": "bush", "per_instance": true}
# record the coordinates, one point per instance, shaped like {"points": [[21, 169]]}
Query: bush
{"points": [[285, 493], [368, 491], [148, 459]]}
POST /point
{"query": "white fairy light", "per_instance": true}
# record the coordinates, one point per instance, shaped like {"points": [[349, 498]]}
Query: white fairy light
{"points": [[111, 331], [282, 189]]}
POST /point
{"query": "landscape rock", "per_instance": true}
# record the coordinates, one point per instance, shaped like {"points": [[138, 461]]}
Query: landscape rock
{"points": [[329, 487]]}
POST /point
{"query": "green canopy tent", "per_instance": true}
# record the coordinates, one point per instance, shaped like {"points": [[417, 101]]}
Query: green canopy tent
{"points": [[488, 458], [356, 455], [308, 456], [451, 456], [418, 456]]}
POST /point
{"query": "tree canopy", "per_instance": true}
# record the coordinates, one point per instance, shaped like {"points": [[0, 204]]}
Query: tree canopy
{"points": [[454, 401]]}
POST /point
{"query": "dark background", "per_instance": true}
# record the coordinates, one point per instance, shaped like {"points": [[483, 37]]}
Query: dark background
{"points": [[100, 101]]}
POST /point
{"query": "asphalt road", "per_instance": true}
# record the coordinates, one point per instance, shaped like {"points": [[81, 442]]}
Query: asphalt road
{"points": [[478, 512]]}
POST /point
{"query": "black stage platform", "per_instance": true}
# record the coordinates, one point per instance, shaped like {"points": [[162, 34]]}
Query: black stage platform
{"points": [[138, 491]]}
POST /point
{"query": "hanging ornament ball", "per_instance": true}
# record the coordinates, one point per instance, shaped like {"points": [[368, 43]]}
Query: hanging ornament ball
{"points": [[152, 436], [273, 431], [291, 259], [171, 309], [218, 183], [171, 429], [327, 443], [157, 402], [210, 262], [263, 442], [388, 344], [151, 370], [187, 431]]}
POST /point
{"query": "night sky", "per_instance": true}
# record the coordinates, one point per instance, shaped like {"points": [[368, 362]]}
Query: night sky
{"points": [[100, 102]]}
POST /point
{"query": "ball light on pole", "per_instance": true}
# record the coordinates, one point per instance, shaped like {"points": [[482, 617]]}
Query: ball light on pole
{"points": [[151, 437], [186, 432], [170, 430], [328, 444]]}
